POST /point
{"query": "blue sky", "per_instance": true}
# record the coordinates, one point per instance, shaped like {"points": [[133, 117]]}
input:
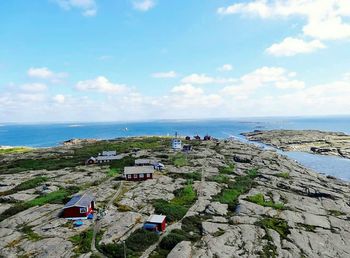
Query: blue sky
{"points": [[104, 60]]}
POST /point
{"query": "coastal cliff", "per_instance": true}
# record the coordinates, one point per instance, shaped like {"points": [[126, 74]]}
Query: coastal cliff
{"points": [[312, 141], [222, 199]]}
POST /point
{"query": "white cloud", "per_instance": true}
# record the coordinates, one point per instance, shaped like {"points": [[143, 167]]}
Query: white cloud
{"points": [[325, 19], [248, 84], [45, 74], [205, 79], [293, 46], [144, 5], [225, 68], [187, 90], [101, 84], [160, 75], [87, 7], [59, 98], [34, 87]]}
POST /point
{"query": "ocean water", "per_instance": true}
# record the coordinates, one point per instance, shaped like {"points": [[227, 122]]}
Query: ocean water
{"points": [[47, 135]]}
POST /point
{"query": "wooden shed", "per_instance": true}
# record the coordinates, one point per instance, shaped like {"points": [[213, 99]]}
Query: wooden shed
{"points": [[156, 223], [138, 173], [79, 207]]}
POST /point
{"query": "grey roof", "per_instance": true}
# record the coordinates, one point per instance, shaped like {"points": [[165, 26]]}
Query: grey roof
{"points": [[144, 161], [81, 200], [109, 157], [138, 170]]}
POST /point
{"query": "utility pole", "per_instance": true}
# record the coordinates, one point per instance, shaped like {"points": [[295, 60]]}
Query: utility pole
{"points": [[124, 249]]}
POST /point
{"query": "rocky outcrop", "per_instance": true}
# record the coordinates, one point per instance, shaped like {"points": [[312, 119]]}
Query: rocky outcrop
{"points": [[325, 143]]}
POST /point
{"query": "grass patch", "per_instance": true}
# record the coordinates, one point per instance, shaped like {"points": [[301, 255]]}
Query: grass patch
{"points": [[260, 200], [193, 226], [180, 160], [135, 244], [30, 234], [221, 179], [228, 170], [307, 227], [168, 243], [336, 213], [279, 225], [15, 150], [112, 172], [29, 184], [175, 209], [82, 242], [195, 176], [283, 175], [118, 165], [59, 196], [241, 185]]}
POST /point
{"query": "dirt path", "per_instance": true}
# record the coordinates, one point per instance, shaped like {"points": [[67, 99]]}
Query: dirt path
{"points": [[176, 225], [97, 223]]}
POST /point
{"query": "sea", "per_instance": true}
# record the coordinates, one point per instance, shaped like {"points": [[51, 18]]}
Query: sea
{"points": [[53, 134]]}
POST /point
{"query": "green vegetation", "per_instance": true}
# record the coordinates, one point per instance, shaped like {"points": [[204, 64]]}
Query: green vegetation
{"points": [[269, 250], [118, 165], [279, 225], [169, 242], [260, 200], [14, 150], [59, 196], [241, 185], [113, 172], [336, 213], [29, 184], [193, 226], [283, 175], [228, 170], [180, 160], [177, 207], [30, 234], [135, 244], [195, 176], [307, 227], [221, 179], [81, 153], [82, 242]]}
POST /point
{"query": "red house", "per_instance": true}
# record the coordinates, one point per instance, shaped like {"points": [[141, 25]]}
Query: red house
{"points": [[79, 207], [138, 173], [156, 223]]}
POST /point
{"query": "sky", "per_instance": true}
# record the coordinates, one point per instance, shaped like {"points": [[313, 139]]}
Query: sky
{"points": [[133, 60]]}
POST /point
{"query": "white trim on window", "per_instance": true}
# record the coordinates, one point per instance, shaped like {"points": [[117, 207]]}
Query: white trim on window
{"points": [[142, 175], [83, 210]]}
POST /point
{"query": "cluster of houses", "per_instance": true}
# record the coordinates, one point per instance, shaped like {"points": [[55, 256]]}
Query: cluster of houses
{"points": [[83, 206]]}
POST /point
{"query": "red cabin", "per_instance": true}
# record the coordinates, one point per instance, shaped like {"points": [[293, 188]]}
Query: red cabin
{"points": [[79, 207], [138, 173], [156, 223]]}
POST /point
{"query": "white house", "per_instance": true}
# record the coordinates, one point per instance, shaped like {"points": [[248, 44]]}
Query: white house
{"points": [[176, 144], [104, 157]]}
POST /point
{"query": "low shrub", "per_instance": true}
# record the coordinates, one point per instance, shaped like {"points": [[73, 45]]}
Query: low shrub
{"points": [[221, 179], [193, 226], [173, 212], [82, 242], [29, 184], [172, 239], [241, 185], [30, 234], [180, 160], [279, 225], [141, 239], [283, 175], [227, 170], [260, 200]]}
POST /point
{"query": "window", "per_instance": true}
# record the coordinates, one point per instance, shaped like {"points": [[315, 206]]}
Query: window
{"points": [[83, 210], [142, 175], [148, 175], [129, 176]]}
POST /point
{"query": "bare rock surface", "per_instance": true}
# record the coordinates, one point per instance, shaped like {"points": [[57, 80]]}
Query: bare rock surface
{"points": [[318, 142]]}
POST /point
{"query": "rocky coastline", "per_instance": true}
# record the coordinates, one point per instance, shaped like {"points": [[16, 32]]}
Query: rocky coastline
{"points": [[311, 141], [245, 202]]}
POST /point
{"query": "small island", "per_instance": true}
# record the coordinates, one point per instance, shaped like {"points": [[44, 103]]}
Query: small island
{"points": [[215, 198], [312, 141]]}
